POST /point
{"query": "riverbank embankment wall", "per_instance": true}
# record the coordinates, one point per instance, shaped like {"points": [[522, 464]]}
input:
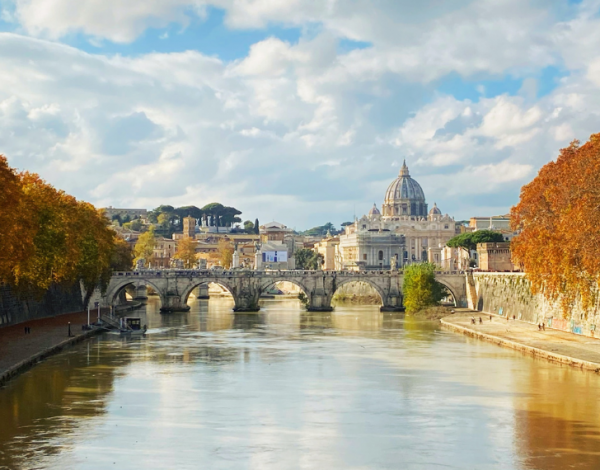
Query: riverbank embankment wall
{"points": [[56, 301], [509, 294]]}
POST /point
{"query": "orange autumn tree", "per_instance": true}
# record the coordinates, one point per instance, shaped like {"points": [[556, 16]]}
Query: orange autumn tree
{"points": [[48, 237], [16, 239], [559, 219], [186, 252]]}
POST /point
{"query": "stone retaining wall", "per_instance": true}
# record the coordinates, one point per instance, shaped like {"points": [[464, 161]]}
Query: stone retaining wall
{"points": [[509, 294], [56, 301]]}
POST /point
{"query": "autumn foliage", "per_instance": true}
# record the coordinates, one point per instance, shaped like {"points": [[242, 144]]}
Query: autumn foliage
{"points": [[48, 237], [559, 219], [186, 252]]}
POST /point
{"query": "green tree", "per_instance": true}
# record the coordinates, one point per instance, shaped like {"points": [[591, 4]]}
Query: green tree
{"points": [[316, 262], [303, 257], [144, 248], [191, 211], [122, 256], [420, 288], [222, 215], [135, 225], [308, 259], [248, 226], [256, 227], [469, 240], [164, 219], [321, 230]]}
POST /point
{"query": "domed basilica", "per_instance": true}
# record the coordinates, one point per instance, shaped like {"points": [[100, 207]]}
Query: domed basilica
{"points": [[403, 232]]}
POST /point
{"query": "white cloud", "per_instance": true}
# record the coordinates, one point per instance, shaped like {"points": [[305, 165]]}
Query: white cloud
{"points": [[117, 20], [296, 124]]}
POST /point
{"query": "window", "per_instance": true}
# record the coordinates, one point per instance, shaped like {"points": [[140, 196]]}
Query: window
{"points": [[364, 226], [365, 257], [446, 227], [380, 255]]}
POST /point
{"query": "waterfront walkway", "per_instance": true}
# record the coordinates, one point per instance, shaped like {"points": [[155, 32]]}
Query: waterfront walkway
{"points": [[556, 346], [16, 347]]}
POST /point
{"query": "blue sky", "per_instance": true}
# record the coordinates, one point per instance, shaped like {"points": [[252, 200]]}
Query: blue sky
{"points": [[296, 110]]}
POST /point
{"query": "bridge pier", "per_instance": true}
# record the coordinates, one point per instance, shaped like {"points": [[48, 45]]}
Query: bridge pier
{"points": [[320, 297], [141, 292], [246, 303], [392, 303], [202, 292], [319, 303], [172, 303]]}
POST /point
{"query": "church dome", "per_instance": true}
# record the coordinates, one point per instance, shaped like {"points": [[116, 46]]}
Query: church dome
{"points": [[404, 196], [404, 187], [435, 210], [374, 211]]}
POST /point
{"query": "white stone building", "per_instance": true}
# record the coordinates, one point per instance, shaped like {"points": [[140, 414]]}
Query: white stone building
{"points": [[405, 233]]}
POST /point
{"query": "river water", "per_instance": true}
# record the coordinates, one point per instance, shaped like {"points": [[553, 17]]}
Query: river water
{"points": [[287, 389]]}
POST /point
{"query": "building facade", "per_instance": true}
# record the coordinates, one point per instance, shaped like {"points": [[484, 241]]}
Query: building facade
{"points": [[495, 257], [406, 232], [329, 249]]}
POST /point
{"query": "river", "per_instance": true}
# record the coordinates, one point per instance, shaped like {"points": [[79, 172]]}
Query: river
{"points": [[287, 389]]}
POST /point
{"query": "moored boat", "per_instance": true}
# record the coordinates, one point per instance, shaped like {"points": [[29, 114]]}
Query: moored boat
{"points": [[132, 326]]}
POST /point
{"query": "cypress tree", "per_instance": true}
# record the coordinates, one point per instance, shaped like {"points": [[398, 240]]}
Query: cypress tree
{"points": [[256, 227]]}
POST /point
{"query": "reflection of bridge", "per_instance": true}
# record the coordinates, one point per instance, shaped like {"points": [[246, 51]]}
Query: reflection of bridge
{"points": [[175, 286]]}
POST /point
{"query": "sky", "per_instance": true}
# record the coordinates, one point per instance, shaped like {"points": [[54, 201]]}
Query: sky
{"points": [[299, 111]]}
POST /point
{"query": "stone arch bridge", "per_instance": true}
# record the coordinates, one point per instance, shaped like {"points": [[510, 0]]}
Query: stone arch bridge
{"points": [[175, 286]]}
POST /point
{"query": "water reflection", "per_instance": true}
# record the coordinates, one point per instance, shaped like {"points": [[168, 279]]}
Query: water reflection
{"points": [[353, 388]]}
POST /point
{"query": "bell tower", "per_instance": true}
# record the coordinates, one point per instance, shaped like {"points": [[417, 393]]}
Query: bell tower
{"points": [[189, 227]]}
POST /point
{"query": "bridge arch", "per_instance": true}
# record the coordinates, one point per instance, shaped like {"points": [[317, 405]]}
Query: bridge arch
{"points": [[340, 282], [451, 289], [271, 281], [194, 284], [115, 289]]}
